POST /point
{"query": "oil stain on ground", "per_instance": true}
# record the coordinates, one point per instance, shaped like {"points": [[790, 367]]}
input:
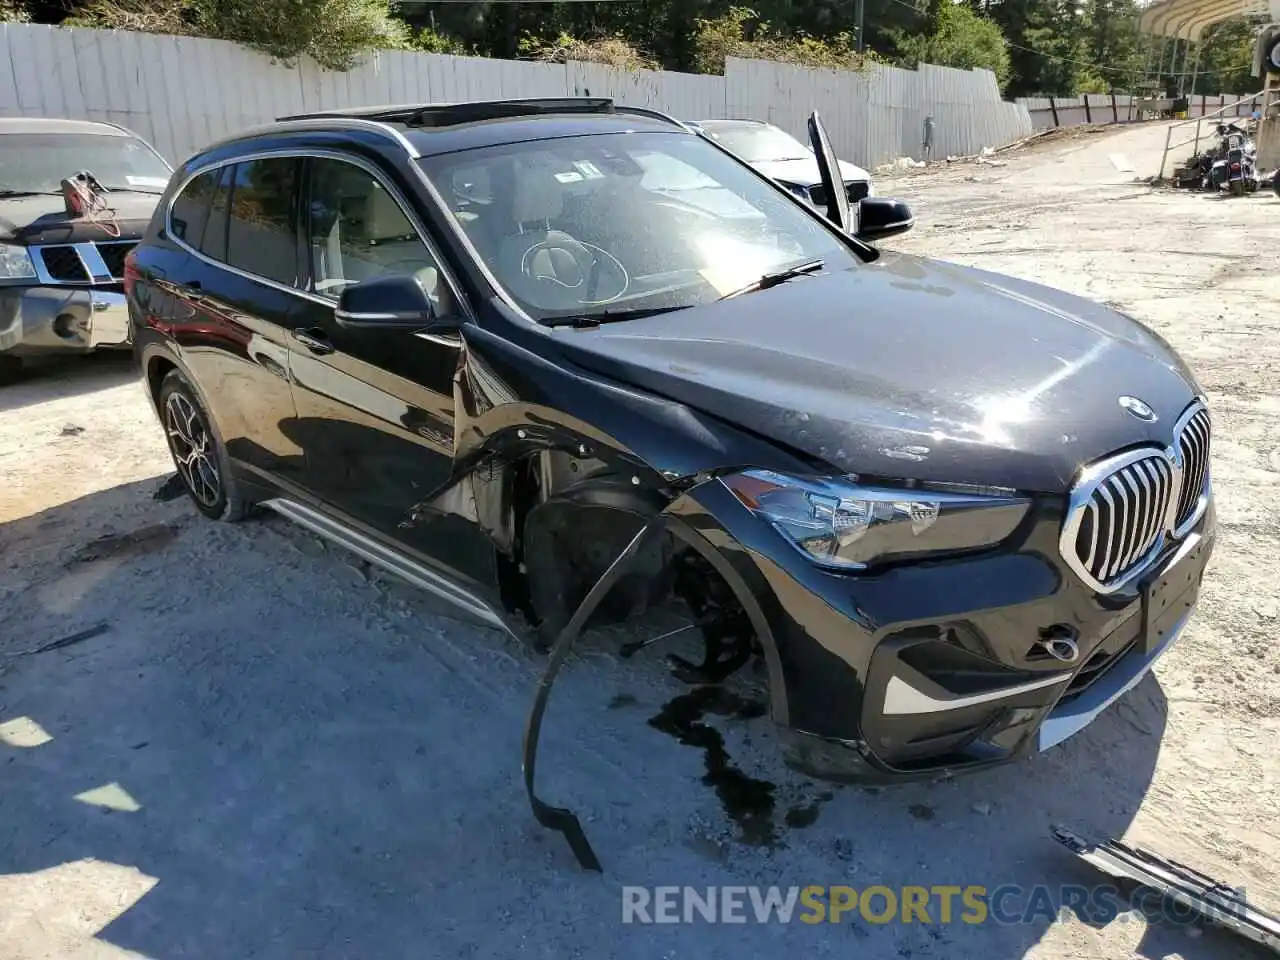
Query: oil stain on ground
{"points": [[126, 546], [749, 802]]}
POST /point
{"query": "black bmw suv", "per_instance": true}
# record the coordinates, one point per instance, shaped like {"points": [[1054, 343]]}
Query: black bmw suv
{"points": [[558, 360]]}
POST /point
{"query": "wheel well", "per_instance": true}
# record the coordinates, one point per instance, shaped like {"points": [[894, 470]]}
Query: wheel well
{"points": [[157, 369]]}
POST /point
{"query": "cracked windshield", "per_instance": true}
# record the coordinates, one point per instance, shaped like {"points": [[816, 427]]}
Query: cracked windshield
{"points": [[619, 225]]}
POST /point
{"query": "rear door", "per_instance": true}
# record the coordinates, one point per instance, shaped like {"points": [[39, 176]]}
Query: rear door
{"points": [[235, 302], [376, 407]]}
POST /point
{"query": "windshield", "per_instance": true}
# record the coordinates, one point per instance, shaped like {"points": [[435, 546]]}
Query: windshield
{"points": [[615, 223], [38, 162], [758, 143]]}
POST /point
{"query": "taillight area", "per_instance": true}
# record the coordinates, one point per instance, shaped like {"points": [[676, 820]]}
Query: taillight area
{"points": [[131, 273]]}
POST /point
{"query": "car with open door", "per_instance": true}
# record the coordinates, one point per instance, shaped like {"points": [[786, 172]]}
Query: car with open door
{"points": [[498, 350], [779, 155], [75, 196]]}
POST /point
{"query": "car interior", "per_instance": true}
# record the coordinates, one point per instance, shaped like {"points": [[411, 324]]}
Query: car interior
{"points": [[365, 234], [571, 230]]}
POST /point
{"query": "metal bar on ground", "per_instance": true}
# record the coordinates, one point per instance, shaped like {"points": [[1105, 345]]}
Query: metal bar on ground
{"points": [[558, 818]]}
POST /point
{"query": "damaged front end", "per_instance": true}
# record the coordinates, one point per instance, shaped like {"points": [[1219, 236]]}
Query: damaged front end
{"points": [[590, 528]]}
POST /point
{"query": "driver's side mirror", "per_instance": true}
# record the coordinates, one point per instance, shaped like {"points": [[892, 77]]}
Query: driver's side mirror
{"points": [[882, 217], [393, 302]]}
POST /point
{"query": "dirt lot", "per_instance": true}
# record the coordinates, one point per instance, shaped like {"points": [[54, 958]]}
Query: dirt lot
{"points": [[271, 752]]}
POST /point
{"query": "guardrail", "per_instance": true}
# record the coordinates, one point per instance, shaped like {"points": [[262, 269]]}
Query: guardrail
{"points": [[1256, 102]]}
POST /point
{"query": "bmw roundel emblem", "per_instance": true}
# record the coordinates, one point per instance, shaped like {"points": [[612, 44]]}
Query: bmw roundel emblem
{"points": [[1138, 408]]}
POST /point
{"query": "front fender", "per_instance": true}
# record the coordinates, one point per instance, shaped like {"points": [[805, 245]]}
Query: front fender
{"points": [[510, 399]]}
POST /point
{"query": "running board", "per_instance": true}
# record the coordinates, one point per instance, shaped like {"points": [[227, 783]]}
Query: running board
{"points": [[389, 560]]}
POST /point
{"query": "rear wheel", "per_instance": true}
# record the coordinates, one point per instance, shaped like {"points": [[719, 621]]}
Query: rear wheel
{"points": [[1275, 183], [1237, 188], [201, 460]]}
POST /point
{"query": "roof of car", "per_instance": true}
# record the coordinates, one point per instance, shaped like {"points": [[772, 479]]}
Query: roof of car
{"points": [[433, 129], [488, 133], [52, 125], [732, 122]]}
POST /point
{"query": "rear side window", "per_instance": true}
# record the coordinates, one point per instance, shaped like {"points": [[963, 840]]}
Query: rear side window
{"points": [[191, 208], [214, 243], [262, 235]]}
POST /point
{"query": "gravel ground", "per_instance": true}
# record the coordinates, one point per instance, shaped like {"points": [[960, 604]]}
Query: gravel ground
{"points": [[272, 752]]}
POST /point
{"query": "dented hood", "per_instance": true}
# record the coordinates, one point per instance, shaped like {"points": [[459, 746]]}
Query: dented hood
{"points": [[909, 368], [43, 218]]}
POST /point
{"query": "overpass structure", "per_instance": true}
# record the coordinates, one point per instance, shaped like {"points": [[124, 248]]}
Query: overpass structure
{"points": [[1172, 21], [1178, 24]]}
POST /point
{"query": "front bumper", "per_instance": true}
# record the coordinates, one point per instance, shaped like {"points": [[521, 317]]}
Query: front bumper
{"points": [[46, 320], [939, 666]]}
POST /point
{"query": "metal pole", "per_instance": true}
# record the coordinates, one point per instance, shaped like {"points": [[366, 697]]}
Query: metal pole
{"points": [[1186, 52], [858, 23], [1195, 70]]}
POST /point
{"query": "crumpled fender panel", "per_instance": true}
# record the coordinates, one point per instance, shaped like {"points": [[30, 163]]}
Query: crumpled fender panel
{"points": [[503, 389]]}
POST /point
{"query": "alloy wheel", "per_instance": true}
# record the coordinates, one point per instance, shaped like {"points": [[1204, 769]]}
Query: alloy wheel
{"points": [[192, 446]]}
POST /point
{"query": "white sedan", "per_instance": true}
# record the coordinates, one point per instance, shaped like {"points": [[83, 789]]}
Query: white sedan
{"points": [[777, 154]]}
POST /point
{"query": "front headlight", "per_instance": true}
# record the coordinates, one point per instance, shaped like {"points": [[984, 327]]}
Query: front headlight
{"points": [[16, 263], [842, 524]]}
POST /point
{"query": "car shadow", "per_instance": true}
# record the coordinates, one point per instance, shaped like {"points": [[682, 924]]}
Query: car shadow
{"points": [[246, 744], [50, 378]]}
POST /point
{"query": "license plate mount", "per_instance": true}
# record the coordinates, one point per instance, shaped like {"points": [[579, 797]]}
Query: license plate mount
{"points": [[1169, 596]]}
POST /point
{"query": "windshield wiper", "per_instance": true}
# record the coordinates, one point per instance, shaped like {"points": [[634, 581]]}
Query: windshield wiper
{"points": [[29, 193], [587, 320], [777, 277], [112, 188]]}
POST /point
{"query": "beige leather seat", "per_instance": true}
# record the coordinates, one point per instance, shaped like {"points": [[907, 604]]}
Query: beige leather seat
{"points": [[545, 267], [393, 245]]}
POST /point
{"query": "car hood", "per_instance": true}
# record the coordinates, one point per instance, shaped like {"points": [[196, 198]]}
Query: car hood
{"points": [[912, 369], [43, 219], [804, 171]]}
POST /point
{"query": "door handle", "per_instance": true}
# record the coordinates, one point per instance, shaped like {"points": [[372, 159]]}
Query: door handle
{"points": [[313, 340]]}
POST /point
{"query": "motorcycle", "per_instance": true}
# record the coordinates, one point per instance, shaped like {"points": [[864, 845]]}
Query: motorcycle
{"points": [[1235, 168]]}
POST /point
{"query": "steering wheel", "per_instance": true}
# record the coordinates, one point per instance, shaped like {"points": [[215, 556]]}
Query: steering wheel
{"points": [[592, 271]]}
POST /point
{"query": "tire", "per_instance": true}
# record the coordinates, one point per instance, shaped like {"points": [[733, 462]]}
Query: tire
{"points": [[1237, 188], [1275, 183], [1271, 60], [10, 369], [198, 453]]}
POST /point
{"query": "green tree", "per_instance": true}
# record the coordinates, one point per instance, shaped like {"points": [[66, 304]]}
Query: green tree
{"points": [[13, 12], [1226, 58], [959, 38], [1047, 43], [742, 33], [335, 33], [1114, 48]]}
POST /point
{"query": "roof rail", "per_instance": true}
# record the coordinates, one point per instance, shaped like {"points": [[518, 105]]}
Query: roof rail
{"points": [[448, 114], [365, 123], [654, 114]]}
